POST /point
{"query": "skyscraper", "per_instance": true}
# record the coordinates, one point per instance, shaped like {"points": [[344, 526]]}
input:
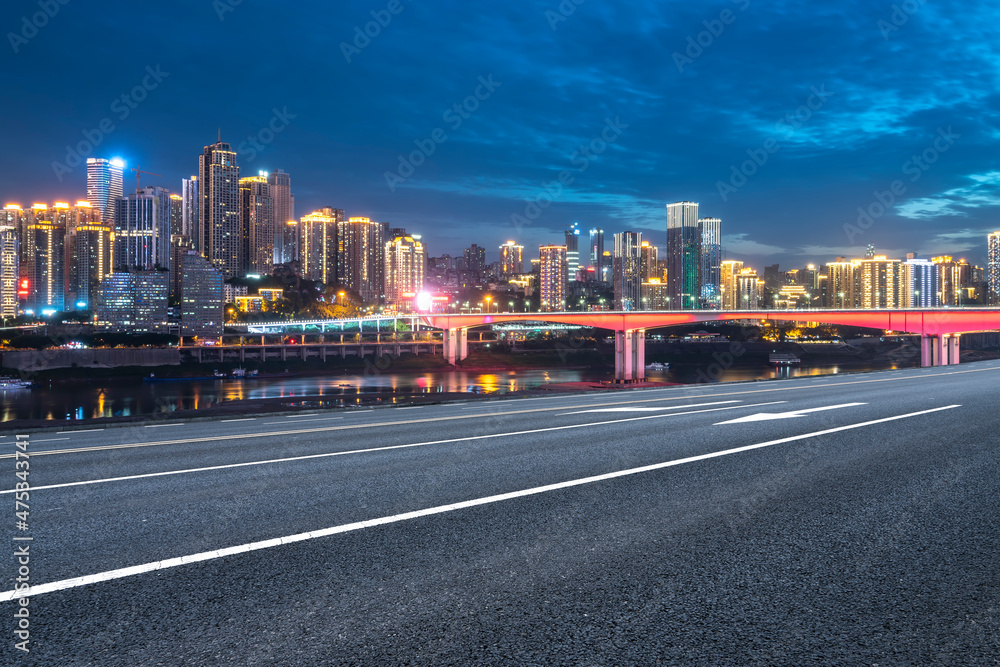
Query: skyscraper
{"points": [[628, 280], [219, 214], [511, 260], [286, 241], [573, 251], [729, 291], [878, 282], [201, 296], [257, 224], [92, 253], [840, 292], [552, 277], [920, 284], [683, 254], [648, 261], [133, 302], [405, 263], [176, 216], [596, 250], [142, 230], [190, 208], [711, 261], [319, 248], [9, 261], [45, 267], [361, 257], [993, 270], [475, 260], [104, 185]]}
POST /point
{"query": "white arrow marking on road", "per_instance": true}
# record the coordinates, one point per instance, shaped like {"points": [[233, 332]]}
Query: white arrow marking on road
{"points": [[767, 416]]}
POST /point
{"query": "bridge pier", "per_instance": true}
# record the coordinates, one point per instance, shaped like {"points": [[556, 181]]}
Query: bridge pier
{"points": [[630, 356], [456, 345], [943, 350]]}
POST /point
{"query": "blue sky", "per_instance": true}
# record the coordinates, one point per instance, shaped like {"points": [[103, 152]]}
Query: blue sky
{"points": [[839, 98]]}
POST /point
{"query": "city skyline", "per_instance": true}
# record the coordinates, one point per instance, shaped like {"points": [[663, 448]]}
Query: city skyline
{"points": [[814, 142]]}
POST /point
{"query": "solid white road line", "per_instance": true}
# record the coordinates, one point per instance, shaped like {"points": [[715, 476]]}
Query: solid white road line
{"points": [[373, 449], [90, 430], [229, 421], [135, 570], [161, 425], [308, 421], [50, 440], [638, 409]]}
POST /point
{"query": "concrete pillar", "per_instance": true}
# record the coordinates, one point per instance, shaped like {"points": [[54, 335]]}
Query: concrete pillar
{"points": [[463, 343], [940, 351], [639, 354], [926, 355], [954, 350], [624, 356]]}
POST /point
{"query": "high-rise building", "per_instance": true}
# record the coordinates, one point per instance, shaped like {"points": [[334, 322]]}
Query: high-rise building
{"points": [[9, 265], [655, 295], [552, 284], [878, 282], [711, 261], [319, 247], [952, 277], [729, 288], [179, 246], [133, 302], [628, 271], [286, 241], [405, 263], [361, 257], [748, 289], [596, 257], [573, 251], [176, 216], [920, 284], [92, 254], [648, 262], [683, 255], [511, 260], [190, 208], [45, 267], [475, 261], [840, 292], [257, 226], [142, 230], [219, 214], [993, 269], [104, 185], [201, 296]]}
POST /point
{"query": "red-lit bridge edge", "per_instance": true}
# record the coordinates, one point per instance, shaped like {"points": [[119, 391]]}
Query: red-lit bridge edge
{"points": [[940, 329]]}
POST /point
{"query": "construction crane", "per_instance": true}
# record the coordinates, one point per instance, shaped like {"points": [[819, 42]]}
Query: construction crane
{"points": [[138, 172]]}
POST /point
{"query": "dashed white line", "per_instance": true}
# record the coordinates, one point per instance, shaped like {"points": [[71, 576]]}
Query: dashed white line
{"points": [[50, 439], [229, 421], [161, 425], [92, 430], [135, 570]]}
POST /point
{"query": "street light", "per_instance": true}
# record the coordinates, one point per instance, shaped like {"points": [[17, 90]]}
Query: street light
{"points": [[488, 299]]}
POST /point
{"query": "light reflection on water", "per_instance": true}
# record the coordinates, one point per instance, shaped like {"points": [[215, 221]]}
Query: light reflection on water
{"points": [[108, 398]]}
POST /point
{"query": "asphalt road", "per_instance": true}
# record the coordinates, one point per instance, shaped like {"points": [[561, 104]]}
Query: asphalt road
{"points": [[857, 526]]}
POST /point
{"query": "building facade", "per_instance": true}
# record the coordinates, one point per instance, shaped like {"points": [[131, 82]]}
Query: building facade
{"points": [[405, 264], [319, 244], [628, 277], [104, 186], [683, 255], [201, 296], [133, 302], [361, 257], [257, 224], [552, 277], [219, 221], [511, 260], [286, 241], [142, 230], [710, 270]]}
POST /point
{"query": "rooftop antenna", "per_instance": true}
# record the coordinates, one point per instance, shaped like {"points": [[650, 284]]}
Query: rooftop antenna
{"points": [[220, 135]]}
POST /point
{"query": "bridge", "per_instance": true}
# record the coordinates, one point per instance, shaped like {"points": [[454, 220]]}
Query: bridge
{"points": [[940, 329]]}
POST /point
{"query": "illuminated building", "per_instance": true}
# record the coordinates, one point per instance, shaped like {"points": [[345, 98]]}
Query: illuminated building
{"points": [[710, 271], [142, 230], [318, 234], [361, 257], [840, 293], [257, 213], [878, 282], [552, 277], [993, 269], [655, 295], [9, 264], [573, 252], [92, 251], [648, 261], [45, 267], [683, 255], [176, 216], [286, 240], [628, 271], [221, 240], [270, 295], [201, 296], [790, 297], [179, 246], [729, 290], [405, 261], [475, 261], [133, 302], [953, 278], [190, 208], [921, 288], [511, 260], [596, 258], [104, 186], [748, 286]]}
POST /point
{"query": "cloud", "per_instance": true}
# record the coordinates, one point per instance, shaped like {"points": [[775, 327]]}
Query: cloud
{"points": [[982, 193], [739, 244]]}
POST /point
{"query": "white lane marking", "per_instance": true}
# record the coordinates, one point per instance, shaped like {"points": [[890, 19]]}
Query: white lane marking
{"points": [[326, 455], [50, 439], [638, 409], [229, 421], [769, 416], [161, 425], [91, 430], [315, 414], [135, 570], [309, 421]]}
